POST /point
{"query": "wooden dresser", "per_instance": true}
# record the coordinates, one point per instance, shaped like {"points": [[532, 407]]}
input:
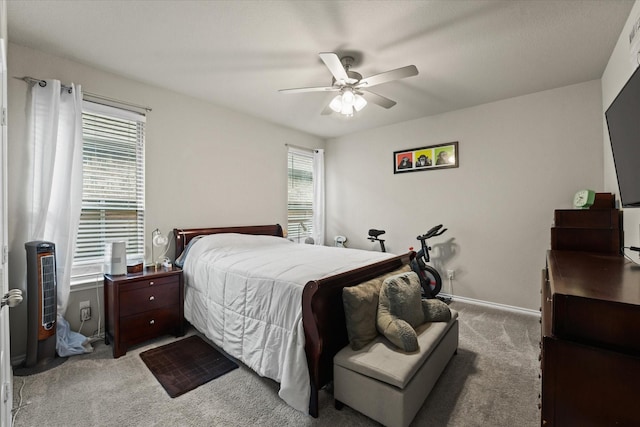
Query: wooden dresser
{"points": [[590, 358], [142, 306]]}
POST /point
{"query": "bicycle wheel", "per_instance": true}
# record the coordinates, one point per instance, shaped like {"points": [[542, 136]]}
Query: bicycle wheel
{"points": [[431, 281], [429, 277]]}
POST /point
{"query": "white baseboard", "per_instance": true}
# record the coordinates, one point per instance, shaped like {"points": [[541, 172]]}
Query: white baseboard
{"points": [[492, 304]]}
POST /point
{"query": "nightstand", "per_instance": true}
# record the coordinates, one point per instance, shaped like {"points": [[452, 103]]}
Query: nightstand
{"points": [[141, 306]]}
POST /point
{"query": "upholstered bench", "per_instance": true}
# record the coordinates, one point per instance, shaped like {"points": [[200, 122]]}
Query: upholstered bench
{"points": [[388, 384]]}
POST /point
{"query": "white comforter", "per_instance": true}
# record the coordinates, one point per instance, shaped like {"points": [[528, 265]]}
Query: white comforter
{"points": [[245, 294]]}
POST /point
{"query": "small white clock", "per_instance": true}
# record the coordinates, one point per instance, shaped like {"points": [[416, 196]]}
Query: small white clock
{"points": [[584, 199]]}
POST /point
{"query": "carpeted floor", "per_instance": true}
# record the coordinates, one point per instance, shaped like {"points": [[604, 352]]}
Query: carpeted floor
{"points": [[492, 381]]}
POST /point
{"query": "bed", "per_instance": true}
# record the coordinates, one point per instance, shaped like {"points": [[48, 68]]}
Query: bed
{"points": [[299, 350]]}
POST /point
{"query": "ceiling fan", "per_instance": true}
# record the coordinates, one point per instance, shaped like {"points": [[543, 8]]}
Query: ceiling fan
{"points": [[354, 92]]}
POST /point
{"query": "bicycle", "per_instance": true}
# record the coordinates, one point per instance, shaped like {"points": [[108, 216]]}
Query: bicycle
{"points": [[429, 277], [374, 236]]}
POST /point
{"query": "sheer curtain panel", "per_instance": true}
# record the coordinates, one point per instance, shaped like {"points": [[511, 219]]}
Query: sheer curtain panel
{"points": [[318, 196], [54, 173]]}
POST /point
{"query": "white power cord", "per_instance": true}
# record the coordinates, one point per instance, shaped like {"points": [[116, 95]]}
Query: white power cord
{"points": [[20, 405], [97, 335]]}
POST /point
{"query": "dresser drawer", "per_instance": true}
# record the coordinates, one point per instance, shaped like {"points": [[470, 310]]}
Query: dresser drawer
{"points": [[141, 327], [148, 298]]}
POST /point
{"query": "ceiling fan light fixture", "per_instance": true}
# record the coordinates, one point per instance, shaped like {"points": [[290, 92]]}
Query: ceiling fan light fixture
{"points": [[347, 97], [347, 110], [336, 104], [359, 102], [346, 102]]}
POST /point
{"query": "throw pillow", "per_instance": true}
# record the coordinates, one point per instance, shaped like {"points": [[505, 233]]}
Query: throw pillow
{"points": [[360, 309], [435, 310], [400, 310]]}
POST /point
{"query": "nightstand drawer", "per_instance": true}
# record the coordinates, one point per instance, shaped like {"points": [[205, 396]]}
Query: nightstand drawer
{"points": [[147, 282], [139, 328], [149, 298]]}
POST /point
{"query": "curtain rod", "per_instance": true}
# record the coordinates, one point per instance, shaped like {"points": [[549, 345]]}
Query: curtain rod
{"points": [[89, 94]]}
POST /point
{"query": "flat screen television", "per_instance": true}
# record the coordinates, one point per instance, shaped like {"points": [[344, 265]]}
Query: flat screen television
{"points": [[623, 121]]}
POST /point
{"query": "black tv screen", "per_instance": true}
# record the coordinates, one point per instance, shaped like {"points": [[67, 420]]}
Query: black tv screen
{"points": [[623, 121]]}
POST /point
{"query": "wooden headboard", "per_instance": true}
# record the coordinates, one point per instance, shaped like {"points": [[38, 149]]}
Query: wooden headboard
{"points": [[184, 235]]}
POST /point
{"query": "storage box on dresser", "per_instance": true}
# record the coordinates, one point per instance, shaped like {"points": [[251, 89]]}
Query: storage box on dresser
{"points": [[141, 306], [590, 349]]}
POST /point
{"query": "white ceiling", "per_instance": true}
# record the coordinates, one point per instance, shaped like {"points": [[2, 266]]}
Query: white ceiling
{"points": [[237, 54]]}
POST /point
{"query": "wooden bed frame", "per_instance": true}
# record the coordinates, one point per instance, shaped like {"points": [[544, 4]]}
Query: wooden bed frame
{"points": [[322, 309]]}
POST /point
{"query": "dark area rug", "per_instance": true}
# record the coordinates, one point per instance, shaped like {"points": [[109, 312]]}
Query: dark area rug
{"points": [[186, 364]]}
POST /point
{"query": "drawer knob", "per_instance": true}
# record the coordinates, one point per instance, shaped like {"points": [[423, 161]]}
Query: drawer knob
{"points": [[151, 283], [151, 298], [152, 322]]}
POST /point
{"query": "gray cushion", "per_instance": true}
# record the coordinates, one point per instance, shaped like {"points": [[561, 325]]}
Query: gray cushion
{"points": [[400, 310], [361, 306], [383, 361]]}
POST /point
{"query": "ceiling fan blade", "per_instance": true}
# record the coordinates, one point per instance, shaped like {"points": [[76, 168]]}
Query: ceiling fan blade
{"points": [[310, 89], [378, 99], [387, 76], [334, 65]]}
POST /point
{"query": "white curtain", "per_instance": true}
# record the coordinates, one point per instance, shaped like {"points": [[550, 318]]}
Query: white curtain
{"points": [[54, 187], [318, 196]]}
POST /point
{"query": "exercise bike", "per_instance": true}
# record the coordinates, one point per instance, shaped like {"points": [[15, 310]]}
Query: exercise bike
{"points": [[429, 277], [374, 236]]}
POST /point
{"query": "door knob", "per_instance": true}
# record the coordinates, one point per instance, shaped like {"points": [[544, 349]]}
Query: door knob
{"points": [[11, 298]]}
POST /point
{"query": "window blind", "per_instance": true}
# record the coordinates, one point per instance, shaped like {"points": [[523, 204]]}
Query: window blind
{"points": [[113, 186], [300, 195]]}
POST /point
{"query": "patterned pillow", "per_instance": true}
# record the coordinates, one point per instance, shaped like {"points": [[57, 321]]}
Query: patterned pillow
{"points": [[400, 310], [360, 309]]}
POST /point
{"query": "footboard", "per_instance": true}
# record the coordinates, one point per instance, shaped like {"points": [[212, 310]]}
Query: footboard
{"points": [[324, 321]]}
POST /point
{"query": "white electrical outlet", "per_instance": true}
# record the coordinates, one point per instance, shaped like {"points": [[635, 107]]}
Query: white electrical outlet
{"points": [[450, 274], [85, 310]]}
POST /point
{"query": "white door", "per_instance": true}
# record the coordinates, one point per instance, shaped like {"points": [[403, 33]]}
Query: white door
{"points": [[6, 374], [6, 384]]}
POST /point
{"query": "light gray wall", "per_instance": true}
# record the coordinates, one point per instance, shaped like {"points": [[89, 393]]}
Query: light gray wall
{"points": [[520, 159], [619, 69], [205, 165]]}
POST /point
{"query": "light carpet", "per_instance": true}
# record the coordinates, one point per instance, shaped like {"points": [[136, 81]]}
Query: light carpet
{"points": [[492, 381]]}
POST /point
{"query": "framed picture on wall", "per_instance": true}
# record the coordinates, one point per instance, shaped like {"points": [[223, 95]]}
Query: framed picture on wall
{"points": [[432, 157]]}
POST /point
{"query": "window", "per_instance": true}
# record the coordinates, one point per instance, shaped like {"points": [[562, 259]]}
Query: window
{"points": [[300, 195], [113, 186]]}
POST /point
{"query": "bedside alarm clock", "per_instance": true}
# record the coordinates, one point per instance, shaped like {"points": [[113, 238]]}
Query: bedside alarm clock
{"points": [[584, 199]]}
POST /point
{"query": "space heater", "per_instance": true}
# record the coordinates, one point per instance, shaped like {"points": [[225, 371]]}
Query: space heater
{"points": [[42, 303]]}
